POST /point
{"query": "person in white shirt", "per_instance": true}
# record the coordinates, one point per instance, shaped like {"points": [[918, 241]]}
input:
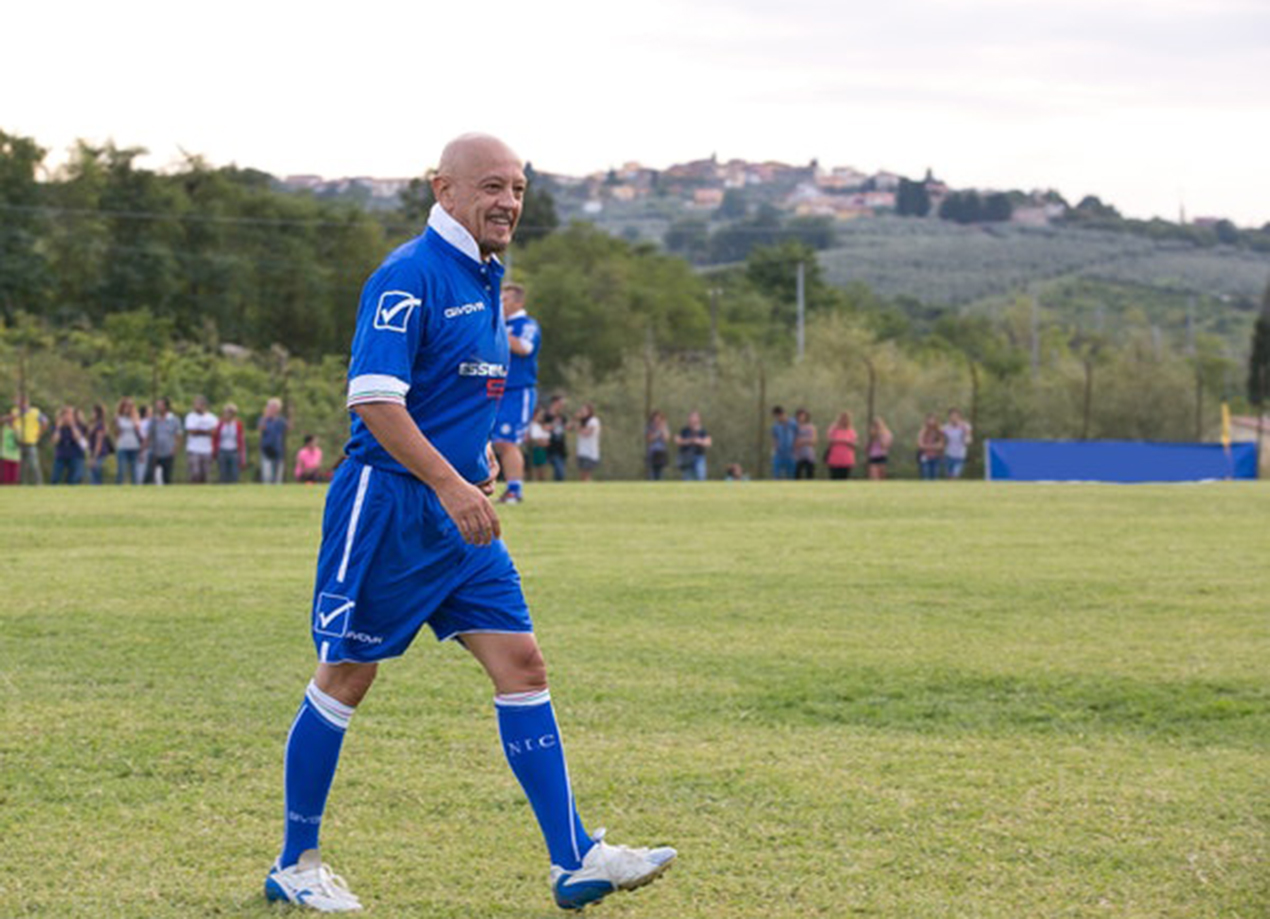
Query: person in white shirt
{"points": [[588, 441], [957, 440], [200, 425]]}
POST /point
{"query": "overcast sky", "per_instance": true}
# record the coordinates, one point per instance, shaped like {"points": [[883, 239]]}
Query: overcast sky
{"points": [[1149, 104]]}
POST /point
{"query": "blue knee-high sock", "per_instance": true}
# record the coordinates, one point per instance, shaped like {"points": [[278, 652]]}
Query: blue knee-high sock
{"points": [[313, 752], [531, 741]]}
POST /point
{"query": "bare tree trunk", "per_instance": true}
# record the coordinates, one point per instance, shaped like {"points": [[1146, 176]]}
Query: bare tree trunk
{"points": [[873, 387]]}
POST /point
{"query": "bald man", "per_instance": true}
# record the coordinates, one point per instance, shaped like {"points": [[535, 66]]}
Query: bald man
{"points": [[410, 537]]}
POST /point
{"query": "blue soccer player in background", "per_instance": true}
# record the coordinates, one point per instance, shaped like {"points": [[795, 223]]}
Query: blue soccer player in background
{"points": [[409, 535], [520, 396]]}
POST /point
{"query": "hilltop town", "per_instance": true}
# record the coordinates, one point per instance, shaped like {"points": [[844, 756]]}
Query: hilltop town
{"points": [[839, 192]]}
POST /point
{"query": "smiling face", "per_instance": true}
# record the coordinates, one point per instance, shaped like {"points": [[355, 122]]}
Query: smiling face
{"points": [[481, 184]]}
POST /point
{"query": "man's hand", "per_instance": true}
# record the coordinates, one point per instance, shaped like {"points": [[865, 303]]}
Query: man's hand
{"points": [[466, 503], [471, 511]]}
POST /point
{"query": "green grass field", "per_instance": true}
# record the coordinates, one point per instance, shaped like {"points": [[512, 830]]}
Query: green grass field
{"points": [[899, 700]]}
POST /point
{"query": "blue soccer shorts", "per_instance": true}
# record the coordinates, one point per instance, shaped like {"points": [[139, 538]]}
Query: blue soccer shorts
{"points": [[515, 411], [391, 560]]}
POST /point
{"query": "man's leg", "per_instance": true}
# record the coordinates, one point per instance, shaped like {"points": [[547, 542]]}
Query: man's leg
{"points": [[32, 474], [312, 753], [513, 462], [313, 750], [531, 738], [583, 870]]}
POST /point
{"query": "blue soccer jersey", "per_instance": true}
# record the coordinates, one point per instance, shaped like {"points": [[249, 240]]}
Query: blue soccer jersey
{"points": [[524, 369], [430, 336]]}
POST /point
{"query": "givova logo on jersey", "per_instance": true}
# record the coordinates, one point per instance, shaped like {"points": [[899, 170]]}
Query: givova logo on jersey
{"points": [[392, 313], [495, 376]]}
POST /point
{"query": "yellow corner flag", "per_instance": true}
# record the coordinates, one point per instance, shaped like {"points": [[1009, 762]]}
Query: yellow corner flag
{"points": [[1225, 425]]}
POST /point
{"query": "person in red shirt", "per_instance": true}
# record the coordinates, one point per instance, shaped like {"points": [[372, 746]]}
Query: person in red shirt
{"points": [[308, 461], [840, 455]]}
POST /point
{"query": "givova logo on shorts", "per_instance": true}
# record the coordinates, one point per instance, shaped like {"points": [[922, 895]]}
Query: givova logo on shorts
{"points": [[331, 615]]}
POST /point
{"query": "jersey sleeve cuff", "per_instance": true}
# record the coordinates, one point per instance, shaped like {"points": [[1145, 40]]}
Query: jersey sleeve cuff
{"points": [[376, 387]]}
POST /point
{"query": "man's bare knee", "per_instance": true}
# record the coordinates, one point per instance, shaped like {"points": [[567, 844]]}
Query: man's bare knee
{"points": [[531, 668], [347, 683]]}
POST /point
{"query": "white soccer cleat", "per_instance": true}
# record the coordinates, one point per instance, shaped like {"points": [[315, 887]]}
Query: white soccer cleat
{"points": [[310, 883], [605, 869]]}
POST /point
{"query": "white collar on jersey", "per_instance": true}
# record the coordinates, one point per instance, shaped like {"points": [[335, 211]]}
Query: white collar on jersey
{"points": [[517, 315], [455, 233]]}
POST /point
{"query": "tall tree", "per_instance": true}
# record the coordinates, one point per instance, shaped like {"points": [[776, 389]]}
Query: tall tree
{"points": [[912, 199], [1259, 359], [538, 217], [23, 267], [773, 270]]}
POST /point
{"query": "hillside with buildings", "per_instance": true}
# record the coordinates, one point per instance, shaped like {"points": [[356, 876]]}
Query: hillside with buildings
{"points": [[919, 241]]}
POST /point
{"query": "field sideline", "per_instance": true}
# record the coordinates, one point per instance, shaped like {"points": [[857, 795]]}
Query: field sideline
{"points": [[837, 699]]}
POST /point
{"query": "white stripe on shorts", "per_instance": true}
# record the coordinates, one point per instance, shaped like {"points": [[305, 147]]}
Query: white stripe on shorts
{"points": [[362, 484]]}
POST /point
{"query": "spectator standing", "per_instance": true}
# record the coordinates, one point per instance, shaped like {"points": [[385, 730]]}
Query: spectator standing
{"points": [[880, 438], [230, 445], [539, 438], [957, 440], [693, 441], [127, 441], [930, 448], [165, 438], [784, 433], [588, 441], [200, 426], [273, 429], [805, 446], [144, 423], [31, 425], [10, 452], [308, 461], [557, 424], [657, 445], [70, 447], [840, 455], [520, 395], [100, 445]]}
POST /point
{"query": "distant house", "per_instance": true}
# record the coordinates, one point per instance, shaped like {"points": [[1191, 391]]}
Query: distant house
{"points": [[841, 178], [707, 197], [1030, 217], [808, 201]]}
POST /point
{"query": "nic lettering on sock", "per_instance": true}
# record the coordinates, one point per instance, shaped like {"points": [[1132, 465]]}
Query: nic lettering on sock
{"points": [[530, 744]]}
